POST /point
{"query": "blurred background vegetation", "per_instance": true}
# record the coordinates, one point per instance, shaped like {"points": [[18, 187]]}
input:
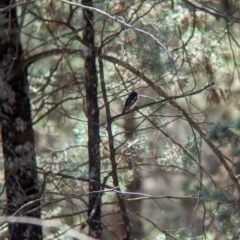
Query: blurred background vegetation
{"points": [[176, 186]]}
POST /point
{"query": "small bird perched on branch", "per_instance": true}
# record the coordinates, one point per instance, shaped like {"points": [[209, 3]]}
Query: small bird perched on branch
{"points": [[131, 101]]}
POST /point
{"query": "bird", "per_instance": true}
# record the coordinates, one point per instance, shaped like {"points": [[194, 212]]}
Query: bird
{"points": [[131, 101]]}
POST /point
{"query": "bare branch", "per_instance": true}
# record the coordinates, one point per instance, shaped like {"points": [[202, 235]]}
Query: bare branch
{"points": [[49, 53], [194, 124], [15, 5]]}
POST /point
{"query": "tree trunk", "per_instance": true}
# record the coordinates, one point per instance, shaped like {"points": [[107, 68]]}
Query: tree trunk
{"points": [[91, 86], [17, 133]]}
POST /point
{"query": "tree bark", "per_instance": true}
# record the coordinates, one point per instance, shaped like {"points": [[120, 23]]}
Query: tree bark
{"points": [[91, 87], [17, 133]]}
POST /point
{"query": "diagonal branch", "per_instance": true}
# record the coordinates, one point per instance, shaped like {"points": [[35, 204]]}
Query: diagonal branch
{"points": [[199, 6], [11, 6], [39, 56], [194, 124]]}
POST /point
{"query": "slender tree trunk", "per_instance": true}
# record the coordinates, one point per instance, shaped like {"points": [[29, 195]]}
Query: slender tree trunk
{"points": [[17, 133], [91, 85]]}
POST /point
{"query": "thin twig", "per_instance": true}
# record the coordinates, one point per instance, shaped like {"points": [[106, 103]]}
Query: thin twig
{"points": [[120, 20]]}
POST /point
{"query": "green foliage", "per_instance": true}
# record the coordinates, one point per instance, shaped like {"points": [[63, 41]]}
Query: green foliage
{"points": [[219, 132], [227, 222], [223, 133], [182, 157], [236, 124], [3, 21]]}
